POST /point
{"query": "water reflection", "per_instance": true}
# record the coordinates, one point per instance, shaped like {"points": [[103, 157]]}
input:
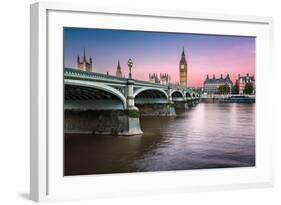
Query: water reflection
{"points": [[205, 136]]}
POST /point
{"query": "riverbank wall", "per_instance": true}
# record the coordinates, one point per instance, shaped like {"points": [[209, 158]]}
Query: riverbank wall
{"points": [[228, 99]]}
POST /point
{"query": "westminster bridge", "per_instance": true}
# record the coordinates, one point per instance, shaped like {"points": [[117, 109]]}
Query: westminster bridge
{"points": [[105, 104]]}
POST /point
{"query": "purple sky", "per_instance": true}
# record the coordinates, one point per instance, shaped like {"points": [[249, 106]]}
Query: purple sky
{"points": [[160, 52]]}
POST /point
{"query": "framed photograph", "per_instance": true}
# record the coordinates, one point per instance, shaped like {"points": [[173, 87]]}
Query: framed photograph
{"points": [[127, 102]]}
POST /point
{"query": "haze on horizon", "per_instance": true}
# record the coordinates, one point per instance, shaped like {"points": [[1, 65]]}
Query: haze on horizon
{"points": [[159, 52]]}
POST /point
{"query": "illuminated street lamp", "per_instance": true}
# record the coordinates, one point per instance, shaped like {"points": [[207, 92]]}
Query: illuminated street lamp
{"points": [[130, 65]]}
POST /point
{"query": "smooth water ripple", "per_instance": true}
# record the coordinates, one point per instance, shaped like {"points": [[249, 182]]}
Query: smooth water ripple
{"points": [[204, 136]]}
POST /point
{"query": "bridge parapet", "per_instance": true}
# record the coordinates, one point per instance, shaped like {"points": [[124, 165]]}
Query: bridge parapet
{"points": [[85, 75]]}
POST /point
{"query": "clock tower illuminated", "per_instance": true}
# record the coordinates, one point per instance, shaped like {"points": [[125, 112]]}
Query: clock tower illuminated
{"points": [[183, 70]]}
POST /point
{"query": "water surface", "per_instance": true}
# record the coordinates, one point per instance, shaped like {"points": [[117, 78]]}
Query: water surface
{"points": [[204, 136]]}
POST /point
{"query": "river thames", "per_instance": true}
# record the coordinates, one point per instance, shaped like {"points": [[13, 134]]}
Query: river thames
{"points": [[208, 135]]}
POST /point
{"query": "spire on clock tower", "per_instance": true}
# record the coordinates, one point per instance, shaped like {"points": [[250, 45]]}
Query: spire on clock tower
{"points": [[183, 54]]}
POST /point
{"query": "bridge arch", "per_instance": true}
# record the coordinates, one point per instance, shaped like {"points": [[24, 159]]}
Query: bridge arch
{"points": [[187, 94], [153, 90], [150, 96], [98, 86], [177, 94]]}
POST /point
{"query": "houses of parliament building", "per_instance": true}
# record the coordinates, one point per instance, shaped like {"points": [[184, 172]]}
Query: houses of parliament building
{"points": [[85, 65]]}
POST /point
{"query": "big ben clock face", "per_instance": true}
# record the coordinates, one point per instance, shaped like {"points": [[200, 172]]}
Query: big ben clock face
{"points": [[182, 66]]}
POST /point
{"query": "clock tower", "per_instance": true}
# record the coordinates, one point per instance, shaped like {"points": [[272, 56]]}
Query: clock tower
{"points": [[183, 70]]}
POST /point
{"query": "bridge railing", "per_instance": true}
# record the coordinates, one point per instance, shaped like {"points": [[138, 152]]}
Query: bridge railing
{"points": [[70, 72]]}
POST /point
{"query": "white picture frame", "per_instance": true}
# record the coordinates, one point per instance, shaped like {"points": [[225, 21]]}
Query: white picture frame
{"points": [[47, 182]]}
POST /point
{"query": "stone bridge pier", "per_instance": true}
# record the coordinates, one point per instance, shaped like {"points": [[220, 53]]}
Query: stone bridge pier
{"points": [[132, 111], [181, 105]]}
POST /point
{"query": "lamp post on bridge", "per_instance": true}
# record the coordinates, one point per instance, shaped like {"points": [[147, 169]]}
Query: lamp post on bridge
{"points": [[130, 65], [132, 110], [130, 88]]}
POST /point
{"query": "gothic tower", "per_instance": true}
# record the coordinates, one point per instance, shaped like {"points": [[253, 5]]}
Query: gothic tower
{"points": [[118, 71], [183, 70], [84, 65]]}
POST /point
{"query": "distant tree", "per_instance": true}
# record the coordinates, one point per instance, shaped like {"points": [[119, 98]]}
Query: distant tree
{"points": [[224, 89], [248, 88]]}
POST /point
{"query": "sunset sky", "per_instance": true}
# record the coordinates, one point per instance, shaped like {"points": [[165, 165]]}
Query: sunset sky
{"points": [[161, 52]]}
